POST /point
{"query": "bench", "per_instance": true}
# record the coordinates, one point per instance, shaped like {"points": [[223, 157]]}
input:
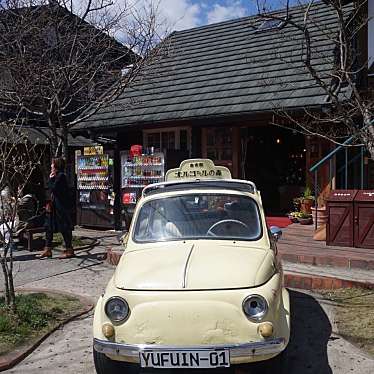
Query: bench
{"points": [[27, 235]]}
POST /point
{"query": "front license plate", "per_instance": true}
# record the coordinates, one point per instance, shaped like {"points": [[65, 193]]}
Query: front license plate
{"points": [[185, 359]]}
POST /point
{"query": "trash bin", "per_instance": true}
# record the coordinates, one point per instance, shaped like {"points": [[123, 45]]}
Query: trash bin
{"points": [[340, 223], [364, 219]]}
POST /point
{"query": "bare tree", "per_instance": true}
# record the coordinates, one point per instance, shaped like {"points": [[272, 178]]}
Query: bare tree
{"points": [[62, 59], [348, 108], [18, 161]]}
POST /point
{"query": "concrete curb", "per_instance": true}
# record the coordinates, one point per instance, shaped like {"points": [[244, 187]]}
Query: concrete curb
{"points": [[11, 359], [113, 257], [316, 282], [84, 247], [349, 262]]}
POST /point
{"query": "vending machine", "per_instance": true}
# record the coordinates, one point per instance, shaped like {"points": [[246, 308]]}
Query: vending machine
{"points": [[95, 191], [138, 169]]}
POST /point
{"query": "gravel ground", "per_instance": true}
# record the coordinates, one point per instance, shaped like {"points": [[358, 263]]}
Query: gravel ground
{"points": [[314, 348]]}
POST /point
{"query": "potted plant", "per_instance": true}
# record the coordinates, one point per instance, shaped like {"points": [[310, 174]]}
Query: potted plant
{"points": [[304, 218], [319, 214], [307, 201], [292, 216], [296, 201]]}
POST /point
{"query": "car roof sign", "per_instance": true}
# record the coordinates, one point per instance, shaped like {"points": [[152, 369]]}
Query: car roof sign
{"points": [[196, 169]]}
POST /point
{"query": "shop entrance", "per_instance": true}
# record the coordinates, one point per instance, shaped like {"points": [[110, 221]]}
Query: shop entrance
{"points": [[274, 159]]}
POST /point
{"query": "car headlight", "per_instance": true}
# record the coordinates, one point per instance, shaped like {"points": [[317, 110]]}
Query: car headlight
{"points": [[117, 309], [255, 307]]}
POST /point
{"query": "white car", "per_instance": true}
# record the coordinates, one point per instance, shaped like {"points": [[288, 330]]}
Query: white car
{"points": [[199, 284]]}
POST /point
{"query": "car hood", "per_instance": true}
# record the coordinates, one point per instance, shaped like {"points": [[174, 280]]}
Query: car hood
{"points": [[198, 265]]}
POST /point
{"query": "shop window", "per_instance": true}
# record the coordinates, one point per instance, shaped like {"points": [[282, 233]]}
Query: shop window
{"points": [[153, 140], [169, 139], [183, 140], [219, 144]]}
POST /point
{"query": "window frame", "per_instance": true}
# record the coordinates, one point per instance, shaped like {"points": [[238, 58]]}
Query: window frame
{"points": [[176, 130], [258, 237]]}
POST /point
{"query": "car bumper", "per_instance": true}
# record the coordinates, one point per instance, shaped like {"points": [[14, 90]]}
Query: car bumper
{"points": [[130, 352]]}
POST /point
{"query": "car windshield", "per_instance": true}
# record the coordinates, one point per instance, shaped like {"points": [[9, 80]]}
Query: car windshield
{"points": [[198, 216]]}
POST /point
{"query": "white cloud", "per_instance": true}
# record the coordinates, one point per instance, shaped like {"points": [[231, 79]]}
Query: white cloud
{"points": [[172, 14], [221, 13], [181, 14]]}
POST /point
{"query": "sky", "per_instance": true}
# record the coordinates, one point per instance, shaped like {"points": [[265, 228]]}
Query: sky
{"points": [[176, 15], [185, 14]]}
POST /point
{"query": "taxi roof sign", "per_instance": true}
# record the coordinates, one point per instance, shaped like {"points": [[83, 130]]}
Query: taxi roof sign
{"points": [[198, 168]]}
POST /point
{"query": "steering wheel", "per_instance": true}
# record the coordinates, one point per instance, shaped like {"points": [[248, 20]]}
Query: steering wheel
{"points": [[225, 222]]}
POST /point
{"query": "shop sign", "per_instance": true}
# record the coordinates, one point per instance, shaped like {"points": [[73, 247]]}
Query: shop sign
{"points": [[198, 169], [91, 151]]}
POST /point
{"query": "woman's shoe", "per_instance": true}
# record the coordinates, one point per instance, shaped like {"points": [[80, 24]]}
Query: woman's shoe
{"points": [[47, 253], [68, 253]]}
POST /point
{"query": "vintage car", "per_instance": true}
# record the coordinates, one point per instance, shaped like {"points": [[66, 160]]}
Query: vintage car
{"points": [[199, 284]]}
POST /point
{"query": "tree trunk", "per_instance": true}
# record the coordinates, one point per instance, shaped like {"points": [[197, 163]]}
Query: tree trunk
{"points": [[6, 280], [12, 293], [54, 137], [368, 134], [370, 141], [65, 142]]}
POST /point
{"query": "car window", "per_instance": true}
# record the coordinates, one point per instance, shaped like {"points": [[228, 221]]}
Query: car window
{"points": [[198, 216]]}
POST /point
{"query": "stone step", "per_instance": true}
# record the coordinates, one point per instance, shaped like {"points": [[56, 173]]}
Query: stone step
{"points": [[310, 277], [297, 246], [350, 260]]}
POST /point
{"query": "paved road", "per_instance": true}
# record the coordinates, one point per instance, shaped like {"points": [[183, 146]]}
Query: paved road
{"points": [[314, 349]]}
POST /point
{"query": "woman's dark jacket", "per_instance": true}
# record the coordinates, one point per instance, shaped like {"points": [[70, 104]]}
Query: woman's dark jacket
{"points": [[59, 219]]}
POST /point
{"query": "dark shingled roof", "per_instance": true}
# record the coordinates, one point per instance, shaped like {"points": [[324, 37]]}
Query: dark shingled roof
{"points": [[227, 69], [38, 135]]}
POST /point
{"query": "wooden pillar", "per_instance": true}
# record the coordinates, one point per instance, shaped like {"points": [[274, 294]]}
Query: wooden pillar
{"points": [[117, 185], [236, 152], [196, 142]]}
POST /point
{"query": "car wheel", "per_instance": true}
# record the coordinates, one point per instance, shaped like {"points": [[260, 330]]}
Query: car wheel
{"points": [[105, 365], [276, 365]]}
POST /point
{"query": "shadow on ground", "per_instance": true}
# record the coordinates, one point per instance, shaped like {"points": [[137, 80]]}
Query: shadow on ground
{"points": [[307, 350], [310, 333]]}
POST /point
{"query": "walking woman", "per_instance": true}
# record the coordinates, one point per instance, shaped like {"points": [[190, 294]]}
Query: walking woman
{"points": [[58, 210]]}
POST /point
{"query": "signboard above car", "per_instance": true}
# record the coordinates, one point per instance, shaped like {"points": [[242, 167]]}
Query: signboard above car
{"points": [[199, 168]]}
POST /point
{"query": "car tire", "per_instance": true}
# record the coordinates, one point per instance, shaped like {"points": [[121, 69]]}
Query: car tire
{"points": [[105, 365], [276, 365]]}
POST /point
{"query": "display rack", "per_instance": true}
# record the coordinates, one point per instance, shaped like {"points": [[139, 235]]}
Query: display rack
{"points": [[139, 171], [93, 172], [95, 190], [136, 173]]}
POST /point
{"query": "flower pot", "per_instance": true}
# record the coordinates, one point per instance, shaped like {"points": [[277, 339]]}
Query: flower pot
{"points": [[293, 219], [305, 221], [306, 206], [320, 216]]}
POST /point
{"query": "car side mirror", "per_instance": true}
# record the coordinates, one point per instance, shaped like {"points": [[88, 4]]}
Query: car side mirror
{"points": [[276, 232]]}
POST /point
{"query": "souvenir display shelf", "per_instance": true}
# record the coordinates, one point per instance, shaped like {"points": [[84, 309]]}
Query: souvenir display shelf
{"points": [[93, 172], [95, 190], [139, 171]]}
